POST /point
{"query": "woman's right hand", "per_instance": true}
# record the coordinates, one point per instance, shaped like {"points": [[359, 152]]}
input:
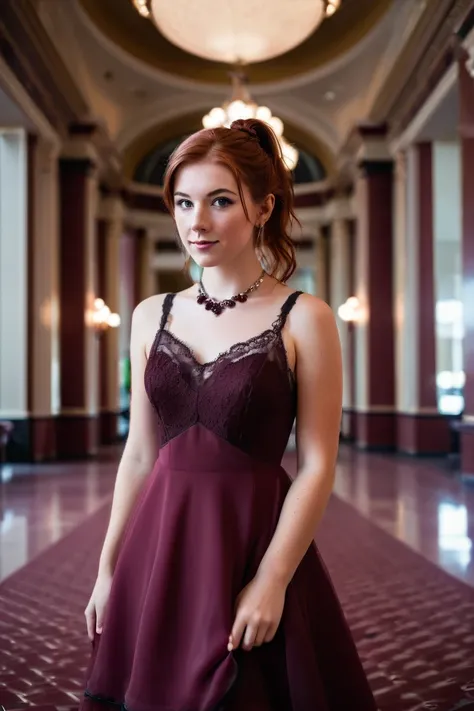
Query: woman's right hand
{"points": [[95, 609]]}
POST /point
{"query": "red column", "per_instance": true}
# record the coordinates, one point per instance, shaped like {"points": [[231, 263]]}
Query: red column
{"points": [[375, 401], [466, 130], [78, 421]]}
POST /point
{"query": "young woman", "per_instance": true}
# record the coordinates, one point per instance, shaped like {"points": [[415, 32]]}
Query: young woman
{"points": [[210, 592]]}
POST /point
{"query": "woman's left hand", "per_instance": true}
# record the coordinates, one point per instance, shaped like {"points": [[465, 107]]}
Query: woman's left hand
{"points": [[259, 609]]}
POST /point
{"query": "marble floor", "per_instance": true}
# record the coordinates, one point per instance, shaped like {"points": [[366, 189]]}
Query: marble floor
{"points": [[419, 502]]}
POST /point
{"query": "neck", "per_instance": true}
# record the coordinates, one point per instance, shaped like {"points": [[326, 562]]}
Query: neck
{"points": [[225, 281]]}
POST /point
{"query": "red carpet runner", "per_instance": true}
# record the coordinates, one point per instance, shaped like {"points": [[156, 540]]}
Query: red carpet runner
{"points": [[414, 624]]}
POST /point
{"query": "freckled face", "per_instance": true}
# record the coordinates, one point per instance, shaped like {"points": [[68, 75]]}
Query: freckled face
{"points": [[209, 215]]}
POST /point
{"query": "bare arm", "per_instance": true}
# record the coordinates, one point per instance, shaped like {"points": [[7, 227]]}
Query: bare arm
{"points": [[141, 449], [319, 382], [259, 606]]}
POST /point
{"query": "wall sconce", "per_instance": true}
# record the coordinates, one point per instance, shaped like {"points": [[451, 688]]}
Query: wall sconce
{"points": [[102, 318], [350, 310]]}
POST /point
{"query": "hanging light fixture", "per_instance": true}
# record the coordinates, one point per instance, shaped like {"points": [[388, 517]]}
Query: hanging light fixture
{"points": [[239, 34], [242, 106], [231, 32]]}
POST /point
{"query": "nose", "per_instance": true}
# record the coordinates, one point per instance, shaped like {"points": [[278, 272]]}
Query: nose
{"points": [[200, 223]]}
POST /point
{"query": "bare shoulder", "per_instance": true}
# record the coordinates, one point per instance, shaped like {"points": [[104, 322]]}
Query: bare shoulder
{"points": [[149, 308], [146, 321], [311, 317], [317, 344]]}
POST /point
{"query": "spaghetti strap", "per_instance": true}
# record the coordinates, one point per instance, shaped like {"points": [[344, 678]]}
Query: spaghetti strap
{"points": [[166, 308], [167, 304], [286, 308]]}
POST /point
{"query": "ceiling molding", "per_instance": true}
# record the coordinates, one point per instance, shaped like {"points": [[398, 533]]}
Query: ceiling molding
{"points": [[426, 58], [35, 118], [412, 132], [31, 56]]}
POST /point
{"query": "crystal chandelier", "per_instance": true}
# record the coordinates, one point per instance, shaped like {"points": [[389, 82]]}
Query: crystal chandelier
{"points": [[241, 106], [232, 32]]}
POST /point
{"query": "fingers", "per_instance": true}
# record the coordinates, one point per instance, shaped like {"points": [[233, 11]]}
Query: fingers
{"points": [[250, 637], [251, 633], [99, 620], [90, 621], [262, 635], [237, 632]]}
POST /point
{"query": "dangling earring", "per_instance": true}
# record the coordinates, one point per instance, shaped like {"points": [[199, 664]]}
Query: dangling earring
{"points": [[260, 234]]}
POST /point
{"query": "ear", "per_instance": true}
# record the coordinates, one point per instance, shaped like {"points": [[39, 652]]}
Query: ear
{"points": [[266, 208]]}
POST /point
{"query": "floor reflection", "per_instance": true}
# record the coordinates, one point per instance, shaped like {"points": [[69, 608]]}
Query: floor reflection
{"points": [[41, 504], [416, 501]]}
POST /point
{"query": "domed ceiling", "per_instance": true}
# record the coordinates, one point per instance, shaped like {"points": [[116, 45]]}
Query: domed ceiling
{"points": [[162, 134], [120, 22]]}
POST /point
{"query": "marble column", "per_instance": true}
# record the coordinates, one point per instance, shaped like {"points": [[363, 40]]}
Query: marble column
{"points": [[78, 431], [374, 337], [44, 352], [466, 135], [14, 395], [420, 427]]}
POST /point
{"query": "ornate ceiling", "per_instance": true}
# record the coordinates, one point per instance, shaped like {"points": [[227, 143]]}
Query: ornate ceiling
{"points": [[145, 91], [119, 21]]}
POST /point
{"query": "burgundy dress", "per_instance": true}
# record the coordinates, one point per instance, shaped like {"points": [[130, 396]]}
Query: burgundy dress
{"points": [[201, 526]]}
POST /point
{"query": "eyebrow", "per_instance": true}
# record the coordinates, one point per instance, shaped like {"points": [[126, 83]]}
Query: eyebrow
{"points": [[211, 194]]}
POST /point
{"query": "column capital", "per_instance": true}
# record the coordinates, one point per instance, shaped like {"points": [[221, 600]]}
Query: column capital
{"points": [[80, 144]]}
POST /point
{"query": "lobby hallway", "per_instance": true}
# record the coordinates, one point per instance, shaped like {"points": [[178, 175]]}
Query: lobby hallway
{"points": [[397, 540]]}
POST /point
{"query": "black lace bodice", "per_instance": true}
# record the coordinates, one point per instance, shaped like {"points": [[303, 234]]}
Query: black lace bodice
{"points": [[246, 395]]}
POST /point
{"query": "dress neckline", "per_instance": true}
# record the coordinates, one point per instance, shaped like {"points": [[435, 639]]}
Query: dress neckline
{"points": [[274, 330], [228, 351]]}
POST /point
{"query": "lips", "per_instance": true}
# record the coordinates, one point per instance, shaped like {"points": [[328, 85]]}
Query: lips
{"points": [[203, 242]]}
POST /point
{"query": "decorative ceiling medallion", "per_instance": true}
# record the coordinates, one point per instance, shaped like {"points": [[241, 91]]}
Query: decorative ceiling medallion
{"points": [[237, 33]]}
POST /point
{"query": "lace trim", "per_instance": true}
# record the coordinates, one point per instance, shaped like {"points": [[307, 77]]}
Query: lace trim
{"points": [[241, 347]]}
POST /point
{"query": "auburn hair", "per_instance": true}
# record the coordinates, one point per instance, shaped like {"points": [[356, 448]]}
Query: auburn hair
{"points": [[252, 153]]}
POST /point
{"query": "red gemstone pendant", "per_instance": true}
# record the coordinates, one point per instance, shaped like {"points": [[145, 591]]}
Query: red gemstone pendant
{"points": [[217, 307]]}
